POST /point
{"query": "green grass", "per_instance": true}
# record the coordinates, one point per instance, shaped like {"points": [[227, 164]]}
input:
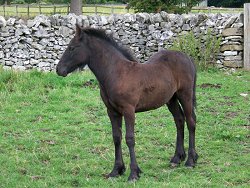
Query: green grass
{"points": [[54, 132]]}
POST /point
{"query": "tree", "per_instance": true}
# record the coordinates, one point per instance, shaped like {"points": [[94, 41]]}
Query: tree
{"points": [[6, 2], [76, 7], [171, 6]]}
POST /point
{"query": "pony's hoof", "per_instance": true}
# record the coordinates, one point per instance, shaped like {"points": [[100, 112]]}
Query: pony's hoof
{"points": [[110, 175], [192, 159], [134, 175], [133, 178], [189, 164], [174, 165], [177, 159], [117, 171]]}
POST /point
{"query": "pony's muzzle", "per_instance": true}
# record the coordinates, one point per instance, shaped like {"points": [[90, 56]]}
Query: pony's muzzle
{"points": [[61, 72]]}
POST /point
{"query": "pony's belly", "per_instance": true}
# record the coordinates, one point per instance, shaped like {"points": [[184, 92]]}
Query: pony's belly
{"points": [[147, 108], [151, 103]]}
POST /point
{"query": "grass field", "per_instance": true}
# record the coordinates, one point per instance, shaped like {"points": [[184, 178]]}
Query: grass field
{"points": [[55, 133], [33, 10]]}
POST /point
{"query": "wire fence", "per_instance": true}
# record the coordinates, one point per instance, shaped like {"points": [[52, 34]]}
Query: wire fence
{"points": [[32, 10]]}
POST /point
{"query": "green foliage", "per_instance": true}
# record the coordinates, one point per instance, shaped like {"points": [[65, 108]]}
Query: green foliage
{"points": [[54, 132], [146, 5], [170, 6], [95, 1], [103, 1], [203, 49], [54, 1], [18, 2], [5, 2]]}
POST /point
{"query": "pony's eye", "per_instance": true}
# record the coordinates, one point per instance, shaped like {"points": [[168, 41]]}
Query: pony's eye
{"points": [[71, 48]]}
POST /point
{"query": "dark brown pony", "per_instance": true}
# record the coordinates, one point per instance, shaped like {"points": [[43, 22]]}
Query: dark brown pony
{"points": [[128, 87]]}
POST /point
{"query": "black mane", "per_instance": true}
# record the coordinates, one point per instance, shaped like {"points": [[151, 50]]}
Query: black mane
{"points": [[100, 33]]}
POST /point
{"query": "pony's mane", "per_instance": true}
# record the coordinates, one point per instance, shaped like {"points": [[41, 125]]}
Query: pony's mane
{"points": [[100, 33]]}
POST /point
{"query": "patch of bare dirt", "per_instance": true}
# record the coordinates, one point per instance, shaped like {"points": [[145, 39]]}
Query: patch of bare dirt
{"points": [[231, 114], [208, 85], [90, 83]]}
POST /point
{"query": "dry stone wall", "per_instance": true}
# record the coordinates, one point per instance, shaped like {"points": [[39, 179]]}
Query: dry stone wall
{"points": [[232, 48], [40, 42]]}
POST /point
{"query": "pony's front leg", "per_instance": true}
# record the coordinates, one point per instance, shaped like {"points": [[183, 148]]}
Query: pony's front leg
{"points": [[129, 116], [116, 121]]}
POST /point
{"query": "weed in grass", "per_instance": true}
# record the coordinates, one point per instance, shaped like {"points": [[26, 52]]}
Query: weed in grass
{"points": [[50, 138], [203, 50]]}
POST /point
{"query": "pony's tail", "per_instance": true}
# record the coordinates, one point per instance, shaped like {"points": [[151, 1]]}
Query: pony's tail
{"points": [[194, 86], [194, 91]]}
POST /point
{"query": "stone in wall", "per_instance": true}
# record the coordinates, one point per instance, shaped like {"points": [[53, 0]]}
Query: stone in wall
{"points": [[2, 22], [233, 64], [231, 47], [232, 32]]}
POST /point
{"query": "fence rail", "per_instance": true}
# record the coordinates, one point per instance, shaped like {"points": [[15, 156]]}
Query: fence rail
{"points": [[31, 10], [216, 10]]}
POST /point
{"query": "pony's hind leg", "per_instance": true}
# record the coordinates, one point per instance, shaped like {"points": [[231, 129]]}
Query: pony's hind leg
{"points": [[175, 109], [186, 99]]}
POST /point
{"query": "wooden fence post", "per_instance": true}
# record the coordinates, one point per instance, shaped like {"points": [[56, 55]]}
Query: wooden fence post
{"points": [[28, 11], [4, 10], [247, 36], [112, 9], [17, 10], [54, 9], [40, 9], [95, 9], [68, 9]]}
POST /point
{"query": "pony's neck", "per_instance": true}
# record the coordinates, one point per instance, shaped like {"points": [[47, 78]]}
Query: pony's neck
{"points": [[105, 59]]}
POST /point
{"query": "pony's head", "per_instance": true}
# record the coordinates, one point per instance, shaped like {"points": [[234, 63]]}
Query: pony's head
{"points": [[76, 55]]}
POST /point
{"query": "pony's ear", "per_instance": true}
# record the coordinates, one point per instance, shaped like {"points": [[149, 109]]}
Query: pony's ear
{"points": [[78, 32]]}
